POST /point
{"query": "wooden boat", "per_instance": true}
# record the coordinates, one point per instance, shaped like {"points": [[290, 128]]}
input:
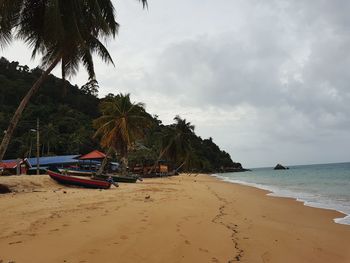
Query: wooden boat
{"points": [[74, 180], [117, 178], [76, 171]]}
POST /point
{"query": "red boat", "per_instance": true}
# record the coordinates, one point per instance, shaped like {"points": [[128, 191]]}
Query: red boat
{"points": [[74, 180]]}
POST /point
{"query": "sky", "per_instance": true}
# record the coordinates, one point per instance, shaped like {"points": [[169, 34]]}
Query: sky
{"points": [[267, 80]]}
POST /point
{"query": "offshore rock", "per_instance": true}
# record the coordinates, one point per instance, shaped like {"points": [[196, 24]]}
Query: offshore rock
{"points": [[280, 167]]}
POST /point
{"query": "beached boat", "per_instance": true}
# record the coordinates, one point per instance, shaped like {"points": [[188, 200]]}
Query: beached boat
{"points": [[117, 178], [76, 171], [74, 180]]}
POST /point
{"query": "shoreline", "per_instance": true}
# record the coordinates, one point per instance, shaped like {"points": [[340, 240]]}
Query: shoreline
{"points": [[269, 192], [177, 219]]}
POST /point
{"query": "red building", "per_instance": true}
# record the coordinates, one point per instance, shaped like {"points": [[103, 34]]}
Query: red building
{"points": [[9, 167]]}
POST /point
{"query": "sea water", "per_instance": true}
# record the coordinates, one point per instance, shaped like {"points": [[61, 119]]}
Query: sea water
{"points": [[320, 185]]}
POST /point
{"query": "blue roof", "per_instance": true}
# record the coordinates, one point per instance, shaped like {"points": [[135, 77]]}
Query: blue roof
{"points": [[51, 160], [9, 161]]}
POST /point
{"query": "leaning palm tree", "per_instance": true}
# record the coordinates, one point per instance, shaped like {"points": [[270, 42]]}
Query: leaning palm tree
{"points": [[176, 143], [66, 32], [179, 148], [121, 124]]}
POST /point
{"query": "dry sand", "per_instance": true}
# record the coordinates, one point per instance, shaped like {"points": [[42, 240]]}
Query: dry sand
{"points": [[177, 219]]}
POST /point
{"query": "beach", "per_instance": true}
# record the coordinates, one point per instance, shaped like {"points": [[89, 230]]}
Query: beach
{"points": [[186, 218]]}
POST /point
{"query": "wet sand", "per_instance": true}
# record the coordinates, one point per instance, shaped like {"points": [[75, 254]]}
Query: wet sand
{"points": [[177, 219]]}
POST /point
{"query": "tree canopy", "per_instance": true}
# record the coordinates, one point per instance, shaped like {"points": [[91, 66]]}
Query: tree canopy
{"points": [[66, 120]]}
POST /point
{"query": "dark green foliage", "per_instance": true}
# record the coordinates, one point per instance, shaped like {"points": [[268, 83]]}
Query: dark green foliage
{"points": [[66, 117], [199, 155]]}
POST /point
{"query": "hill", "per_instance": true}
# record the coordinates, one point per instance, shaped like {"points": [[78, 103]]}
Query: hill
{"points": [[66, 113]]}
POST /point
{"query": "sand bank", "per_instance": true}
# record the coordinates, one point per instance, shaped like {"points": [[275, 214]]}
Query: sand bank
{"points": [[177, 219]]}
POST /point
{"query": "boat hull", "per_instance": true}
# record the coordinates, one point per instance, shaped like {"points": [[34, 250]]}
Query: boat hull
{"points": [[118, 179], [76, 172], [84, 182]]}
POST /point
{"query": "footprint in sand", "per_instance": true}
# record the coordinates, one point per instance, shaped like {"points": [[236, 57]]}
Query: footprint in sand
{"points": [[123, 237], [15, 242], [93, 251], [187, 242], [266, 257], [203, 250]]}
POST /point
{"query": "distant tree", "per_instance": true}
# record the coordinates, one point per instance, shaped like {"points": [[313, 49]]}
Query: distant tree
{"points": [[176, 142], [121, 124], [90, 88], [49, 134], [63, 31]]}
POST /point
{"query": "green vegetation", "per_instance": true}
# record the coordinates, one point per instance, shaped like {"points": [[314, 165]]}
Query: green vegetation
{"points": [[66, 32], [66, 121], [122, 123]]}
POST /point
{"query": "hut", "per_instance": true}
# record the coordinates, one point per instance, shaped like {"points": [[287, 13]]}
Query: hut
{"points": [[149, 169], [11, 167], [91, 160]]}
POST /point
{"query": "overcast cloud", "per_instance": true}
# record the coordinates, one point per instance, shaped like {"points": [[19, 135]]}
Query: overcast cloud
{"points": [[268, 80]]}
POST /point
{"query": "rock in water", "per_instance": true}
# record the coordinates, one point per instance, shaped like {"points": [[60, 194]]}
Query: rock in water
{"points": [[280, 167]]}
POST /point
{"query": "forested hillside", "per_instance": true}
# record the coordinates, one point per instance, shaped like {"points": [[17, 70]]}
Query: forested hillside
{"points": [[66, 113]]}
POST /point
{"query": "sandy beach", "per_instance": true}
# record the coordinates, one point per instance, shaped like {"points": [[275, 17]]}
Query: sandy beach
{"points": [[176, 219]]}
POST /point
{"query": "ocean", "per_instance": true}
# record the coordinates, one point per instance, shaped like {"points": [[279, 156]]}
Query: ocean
{"points": [[319, 185]]}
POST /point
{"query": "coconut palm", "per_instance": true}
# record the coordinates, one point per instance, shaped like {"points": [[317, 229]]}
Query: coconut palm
{"points": [[176, 142], [122, 123], [62, 31], [49, 135]]}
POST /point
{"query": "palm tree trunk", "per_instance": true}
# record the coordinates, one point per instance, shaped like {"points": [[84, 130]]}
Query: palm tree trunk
{"points": [[124, 162], [178, 168], [16, 117], [30, 149], [124, 159], [104, 162], [159, 157]]}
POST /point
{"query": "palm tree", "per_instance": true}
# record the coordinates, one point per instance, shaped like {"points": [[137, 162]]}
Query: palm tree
{"points": [[62, 31], [176, 142], [49, 135], [121, 124]]}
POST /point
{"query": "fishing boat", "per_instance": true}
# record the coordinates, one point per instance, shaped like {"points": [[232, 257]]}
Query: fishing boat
{"points": [[76, 171], [75, 180], [117, 178]]}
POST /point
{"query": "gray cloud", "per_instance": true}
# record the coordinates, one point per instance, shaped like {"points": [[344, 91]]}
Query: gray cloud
{"points": [[268, 80]]}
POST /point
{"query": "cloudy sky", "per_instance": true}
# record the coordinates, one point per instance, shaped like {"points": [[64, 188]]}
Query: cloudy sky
{"points": [[267, 80]]}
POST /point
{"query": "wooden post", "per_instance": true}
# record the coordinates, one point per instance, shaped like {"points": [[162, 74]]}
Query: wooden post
{"points": [[37, 147]]}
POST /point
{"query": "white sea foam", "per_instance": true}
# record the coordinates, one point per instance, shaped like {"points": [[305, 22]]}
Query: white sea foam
{"points": [[308, 199]]}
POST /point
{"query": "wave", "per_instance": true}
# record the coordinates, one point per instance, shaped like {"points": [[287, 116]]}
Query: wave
{"points": [[311, 200]]}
